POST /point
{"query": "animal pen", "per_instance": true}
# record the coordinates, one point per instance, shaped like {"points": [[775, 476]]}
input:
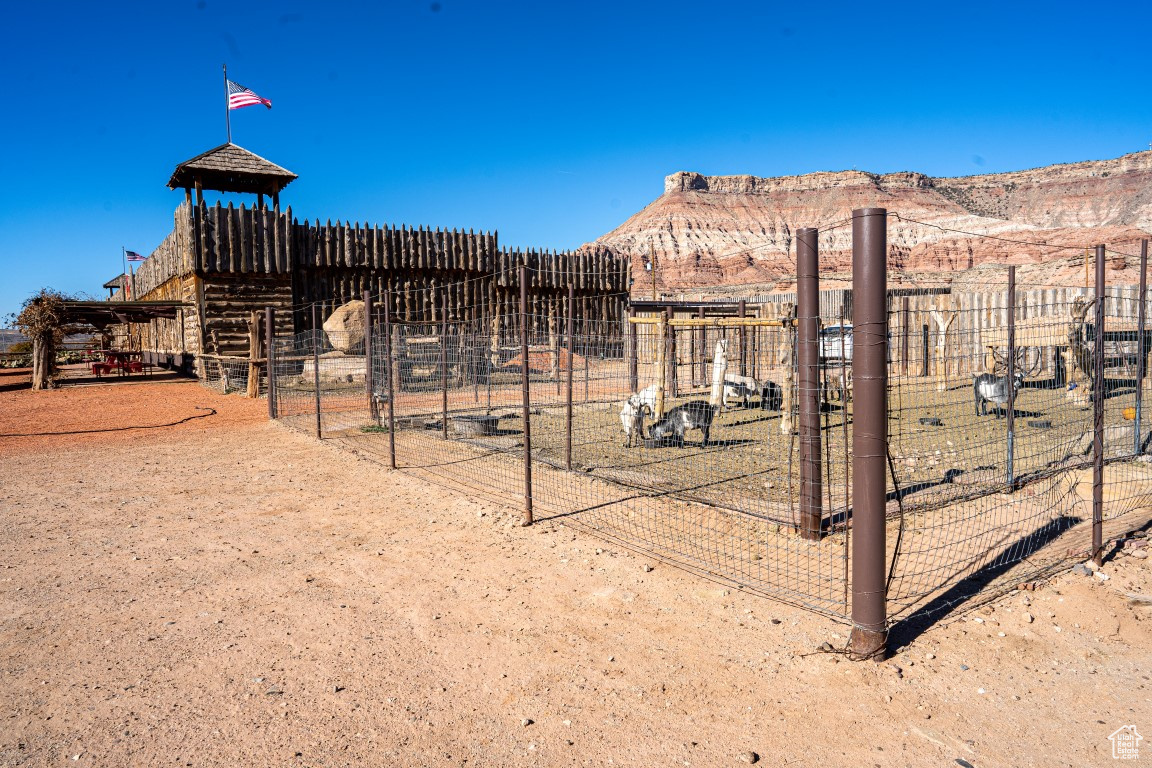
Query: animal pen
{"points": [[805, 493], [847, 468]]}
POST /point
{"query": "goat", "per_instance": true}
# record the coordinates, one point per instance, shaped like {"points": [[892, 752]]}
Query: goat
{"points": [[632, 413], [988, 388], [771, 396], [379, 400], [694, 414], [632, 417], [741, 387]]}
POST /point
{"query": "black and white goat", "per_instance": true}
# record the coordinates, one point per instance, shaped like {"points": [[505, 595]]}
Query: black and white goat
{"points": [[741, 388], [694, 414], [988, 388]]}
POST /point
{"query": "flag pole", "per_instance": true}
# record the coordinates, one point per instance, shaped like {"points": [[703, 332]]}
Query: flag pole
{"points": [[123, 280], [227, 112]]}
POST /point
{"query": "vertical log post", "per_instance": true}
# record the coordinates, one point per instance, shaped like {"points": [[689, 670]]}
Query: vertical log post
{"points": [[269, 344], [369, 377], [633, 353], [391, 366], [254, 347], [702, 344], [1098, 415], [742, 332], [904, 333], [808, 375], [316, 331], [869, 637], [1141, 345], [554, 332], [1010, 482], [673, 387], [571, 365], [525, 395], [692, 358], [661, 364]]}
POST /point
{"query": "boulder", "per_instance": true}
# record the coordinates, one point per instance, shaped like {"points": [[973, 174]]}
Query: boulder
{"points": [[345, 326]]}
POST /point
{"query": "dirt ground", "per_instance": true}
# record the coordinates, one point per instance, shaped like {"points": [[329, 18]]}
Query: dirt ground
{"points": [[226, 591]]}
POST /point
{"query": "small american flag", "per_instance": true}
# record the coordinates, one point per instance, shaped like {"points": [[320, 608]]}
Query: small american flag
{"points": [[133, 256], [239, 96]]}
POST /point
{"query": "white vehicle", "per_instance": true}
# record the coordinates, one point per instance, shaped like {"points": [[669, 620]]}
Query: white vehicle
{"points": [[833, 346]]}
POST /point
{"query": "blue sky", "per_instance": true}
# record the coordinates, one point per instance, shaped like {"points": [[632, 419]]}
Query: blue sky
{"points": [[549, 122]]}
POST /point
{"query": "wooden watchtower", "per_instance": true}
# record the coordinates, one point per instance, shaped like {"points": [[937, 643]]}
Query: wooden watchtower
{"points": [[231, 168]]}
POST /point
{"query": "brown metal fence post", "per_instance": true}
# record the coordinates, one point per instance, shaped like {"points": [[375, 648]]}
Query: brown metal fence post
{"points": [[1141, 342], [808, 378], [444, 367], [269, 369], [571, 365], [1011, 478], [369, 378], [633, 353], [388, 373], [924, 334], [316, 331], [525, 396], [869, 432], [1098, 415]]}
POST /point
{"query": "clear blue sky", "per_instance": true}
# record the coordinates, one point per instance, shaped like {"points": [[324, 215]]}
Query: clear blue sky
{"points": [[550, 122]]}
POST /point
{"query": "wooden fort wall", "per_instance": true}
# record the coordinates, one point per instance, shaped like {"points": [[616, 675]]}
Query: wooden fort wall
{"points": [[227, 262]]}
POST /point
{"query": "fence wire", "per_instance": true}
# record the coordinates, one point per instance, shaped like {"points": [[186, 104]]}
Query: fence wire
{"points": [[971, 511]]}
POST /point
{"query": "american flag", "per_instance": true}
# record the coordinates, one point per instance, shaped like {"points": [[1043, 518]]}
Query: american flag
{"points": [[133, 256], [239, 96]]}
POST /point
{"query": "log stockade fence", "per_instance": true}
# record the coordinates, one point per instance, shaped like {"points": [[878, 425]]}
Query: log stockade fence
{"points": [[226, 263], [866, 454]]}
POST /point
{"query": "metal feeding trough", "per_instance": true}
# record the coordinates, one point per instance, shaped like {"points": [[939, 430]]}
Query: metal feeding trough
{"points": [[1040, 424], [931, 421], [474, 426]]}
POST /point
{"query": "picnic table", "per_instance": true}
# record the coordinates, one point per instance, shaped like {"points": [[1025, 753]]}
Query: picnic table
{"points": [[120, 363]]}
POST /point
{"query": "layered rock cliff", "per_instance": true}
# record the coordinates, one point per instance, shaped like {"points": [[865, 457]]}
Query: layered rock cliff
{"points": [[729, 230]]}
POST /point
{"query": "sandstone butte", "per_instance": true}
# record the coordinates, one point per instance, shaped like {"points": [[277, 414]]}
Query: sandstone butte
{"points": [[710, 231]]}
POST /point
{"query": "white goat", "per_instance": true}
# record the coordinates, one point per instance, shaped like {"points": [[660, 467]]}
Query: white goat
{"points": [[632, 413]]}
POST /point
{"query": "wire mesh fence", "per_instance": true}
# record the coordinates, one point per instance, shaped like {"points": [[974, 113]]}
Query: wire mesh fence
{"points": [[678, 433]]}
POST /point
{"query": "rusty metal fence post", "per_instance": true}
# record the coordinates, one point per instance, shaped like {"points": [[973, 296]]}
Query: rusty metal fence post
{"points": [[808, 378], [369, 378], [869, 432], [571, 365], [1010, 483], [388, 373], [269, 369], [1098, 414], [444, 367], [316, 331], [525, 392]]}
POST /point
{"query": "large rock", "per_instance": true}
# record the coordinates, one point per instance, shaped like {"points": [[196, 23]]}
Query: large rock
{"points": [[345, 326]]}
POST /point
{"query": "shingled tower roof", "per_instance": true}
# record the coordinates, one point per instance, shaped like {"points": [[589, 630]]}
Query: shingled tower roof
{"points": [[231, 168]]}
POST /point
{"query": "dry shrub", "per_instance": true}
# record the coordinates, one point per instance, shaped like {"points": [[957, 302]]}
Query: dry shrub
{"points": [[42, 319]]}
